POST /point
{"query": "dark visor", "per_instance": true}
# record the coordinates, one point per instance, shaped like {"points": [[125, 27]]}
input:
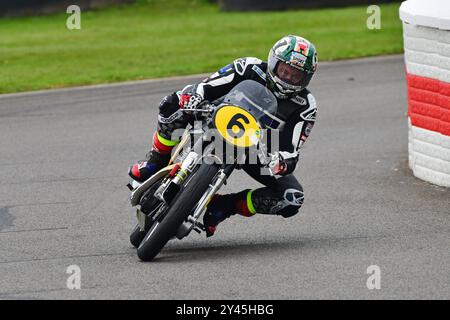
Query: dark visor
{"points": [[291, 75]]}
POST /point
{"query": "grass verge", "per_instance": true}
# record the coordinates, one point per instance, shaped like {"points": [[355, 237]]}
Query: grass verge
{"points": [[153, 39]]}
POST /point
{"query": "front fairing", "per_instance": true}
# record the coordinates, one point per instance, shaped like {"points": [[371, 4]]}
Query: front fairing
{"points": [[256, 99]]}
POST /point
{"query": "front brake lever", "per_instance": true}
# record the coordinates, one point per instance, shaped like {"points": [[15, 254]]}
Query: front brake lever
{"points": [[262, 154], [265, 158], [209, 109]]}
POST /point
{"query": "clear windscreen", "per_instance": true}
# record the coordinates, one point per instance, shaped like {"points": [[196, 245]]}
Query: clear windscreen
{"points": [[258, 100]]}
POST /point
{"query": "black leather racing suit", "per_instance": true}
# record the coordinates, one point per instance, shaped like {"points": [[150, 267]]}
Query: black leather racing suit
{"points": [[282, 195]]}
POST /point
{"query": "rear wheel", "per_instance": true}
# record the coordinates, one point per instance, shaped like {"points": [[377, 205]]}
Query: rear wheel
{"points": [[148, 203], [161, 231], [136, 236]]}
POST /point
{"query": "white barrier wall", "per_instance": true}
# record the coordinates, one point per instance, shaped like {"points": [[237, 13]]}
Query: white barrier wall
{"points": [[426, 31]]}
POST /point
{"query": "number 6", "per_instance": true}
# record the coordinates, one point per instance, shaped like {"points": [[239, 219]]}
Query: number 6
{"points": [[234, 122]]}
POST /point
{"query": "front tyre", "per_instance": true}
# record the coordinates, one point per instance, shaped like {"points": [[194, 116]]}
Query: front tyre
{"points": [[162, 231]]}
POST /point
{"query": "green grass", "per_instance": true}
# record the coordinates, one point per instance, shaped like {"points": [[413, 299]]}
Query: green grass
{"points": [[154, 39]]}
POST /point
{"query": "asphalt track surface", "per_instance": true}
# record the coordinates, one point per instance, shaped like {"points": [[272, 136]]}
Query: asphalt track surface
{"points": [[63, 162]]}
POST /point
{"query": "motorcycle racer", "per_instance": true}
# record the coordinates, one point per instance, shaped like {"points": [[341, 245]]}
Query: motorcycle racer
{"points": [[291, 64]]}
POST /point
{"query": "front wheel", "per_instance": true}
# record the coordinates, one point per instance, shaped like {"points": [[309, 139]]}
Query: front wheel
{"points": [[161, 232]]}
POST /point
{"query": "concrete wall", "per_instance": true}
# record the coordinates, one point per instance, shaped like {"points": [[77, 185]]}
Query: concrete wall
{"points": [[13, 8], [260, 5]]}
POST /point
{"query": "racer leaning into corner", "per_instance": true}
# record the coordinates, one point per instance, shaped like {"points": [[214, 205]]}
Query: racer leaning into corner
{"points": [[292, 62]]}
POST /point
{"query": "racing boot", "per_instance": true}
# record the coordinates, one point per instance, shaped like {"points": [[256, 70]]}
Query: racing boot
{"points": [[156, 159], [143, 170], [222, 207]]}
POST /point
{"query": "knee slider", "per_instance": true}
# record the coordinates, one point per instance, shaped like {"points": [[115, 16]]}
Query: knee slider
{"points": [[294, 198]]}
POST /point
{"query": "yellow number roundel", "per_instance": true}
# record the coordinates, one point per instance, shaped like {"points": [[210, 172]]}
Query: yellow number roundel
{"points": [[237, 126]]}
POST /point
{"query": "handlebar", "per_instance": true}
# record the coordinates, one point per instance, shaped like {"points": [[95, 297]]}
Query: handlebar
{"points": [[204, 107], [264, 157]]}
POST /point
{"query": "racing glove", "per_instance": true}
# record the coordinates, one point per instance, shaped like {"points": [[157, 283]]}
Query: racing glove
{"points": [[194, 101], [277, 164]]}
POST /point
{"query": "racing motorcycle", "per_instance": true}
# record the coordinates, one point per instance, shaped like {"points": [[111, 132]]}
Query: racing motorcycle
{"points": [[170, 203]]}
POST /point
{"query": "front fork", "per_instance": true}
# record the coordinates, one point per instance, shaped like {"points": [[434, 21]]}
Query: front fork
{"points": [[169, 188], [192, 222]]}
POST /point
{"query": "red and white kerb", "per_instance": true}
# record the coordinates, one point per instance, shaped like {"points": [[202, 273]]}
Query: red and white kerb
{"points": [[427, 58]]}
